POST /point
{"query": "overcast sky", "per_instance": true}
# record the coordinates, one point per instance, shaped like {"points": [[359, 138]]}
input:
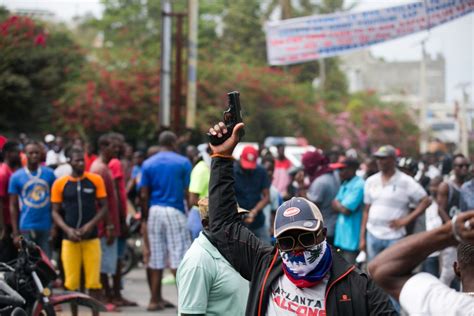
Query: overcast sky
{"points": [[455, 40]]}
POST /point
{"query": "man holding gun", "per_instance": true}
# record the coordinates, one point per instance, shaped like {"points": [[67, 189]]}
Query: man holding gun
{"points": [[302, 274]]}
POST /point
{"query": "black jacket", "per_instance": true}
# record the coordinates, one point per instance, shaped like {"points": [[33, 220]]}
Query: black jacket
{"points": [[349, 291]]}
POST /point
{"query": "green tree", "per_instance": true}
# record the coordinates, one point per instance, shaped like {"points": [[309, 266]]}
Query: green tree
{"points": [[35, 63], [243, 38], [129, 24]]}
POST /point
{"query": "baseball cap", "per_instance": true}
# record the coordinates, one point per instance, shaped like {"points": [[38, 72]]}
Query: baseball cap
{"points": [[386, 151], [49, 138], [346, 163], [248, 158], [297, 213]]}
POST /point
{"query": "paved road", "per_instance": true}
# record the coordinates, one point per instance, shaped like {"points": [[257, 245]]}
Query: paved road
{"points": [[136, 289]]}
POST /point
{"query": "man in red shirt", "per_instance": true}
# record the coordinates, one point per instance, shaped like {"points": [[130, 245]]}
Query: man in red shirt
{"points": [[118, 175], [110, 230], [11, 161], [89, 156], [281, 176]]}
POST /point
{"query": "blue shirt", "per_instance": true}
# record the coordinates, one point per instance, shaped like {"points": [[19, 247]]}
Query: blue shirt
{"points": [[137, 176], [167, 175], [249, 185], [351, 196], [34, 195], [467, 196]]}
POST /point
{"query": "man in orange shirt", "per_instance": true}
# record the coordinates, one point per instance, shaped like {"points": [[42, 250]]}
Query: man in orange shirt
{"points": [[77, 195]]}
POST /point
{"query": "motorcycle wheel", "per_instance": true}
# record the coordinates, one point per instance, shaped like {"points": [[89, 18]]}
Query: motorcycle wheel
{"points": [[129, 260], [46, 310], [18, 312]]}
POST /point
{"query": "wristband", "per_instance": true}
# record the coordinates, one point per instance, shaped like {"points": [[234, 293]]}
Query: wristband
{"points": [[455, 232], [221, 156]]}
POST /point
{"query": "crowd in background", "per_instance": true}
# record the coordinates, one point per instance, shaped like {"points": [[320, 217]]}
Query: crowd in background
{"points": [[74, 201]]}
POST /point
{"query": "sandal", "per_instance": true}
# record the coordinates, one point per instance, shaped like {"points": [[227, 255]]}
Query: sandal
{"points": [[167, 304], [152, 307], [124, 302], [111, 308]]}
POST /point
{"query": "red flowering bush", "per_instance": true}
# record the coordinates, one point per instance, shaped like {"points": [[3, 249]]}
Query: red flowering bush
{"points": [[34, 68], [368, 123], [111, 100]]}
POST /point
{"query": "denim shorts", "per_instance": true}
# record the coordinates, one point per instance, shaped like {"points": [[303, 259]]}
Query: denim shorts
{"points": [[108, 264]]}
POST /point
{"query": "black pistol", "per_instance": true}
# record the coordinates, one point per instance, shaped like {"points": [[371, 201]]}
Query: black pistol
{"points": [[232, 116]]}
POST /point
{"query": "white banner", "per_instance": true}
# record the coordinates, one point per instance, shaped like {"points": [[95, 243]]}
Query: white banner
{"points": [[303, 39]]}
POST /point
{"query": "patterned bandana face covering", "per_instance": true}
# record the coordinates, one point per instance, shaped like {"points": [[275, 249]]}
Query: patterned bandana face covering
{"points": [[307, 268], [304, 262]]}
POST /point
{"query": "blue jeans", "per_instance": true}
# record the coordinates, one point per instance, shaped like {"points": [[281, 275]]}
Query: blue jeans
{"points": [[109, 258], [376, 245], [40, 238]]}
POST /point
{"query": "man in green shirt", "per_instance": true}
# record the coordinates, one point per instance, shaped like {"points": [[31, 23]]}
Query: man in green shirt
{"points": [[207, 283], [198, 189], [199, 183]]}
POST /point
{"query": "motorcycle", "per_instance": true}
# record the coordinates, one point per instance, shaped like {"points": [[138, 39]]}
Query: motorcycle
{"points": [[10, 301], [133, 253], [31, 273]]}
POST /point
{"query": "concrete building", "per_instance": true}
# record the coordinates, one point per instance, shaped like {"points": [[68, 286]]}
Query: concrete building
{"points": [[398, 79]]}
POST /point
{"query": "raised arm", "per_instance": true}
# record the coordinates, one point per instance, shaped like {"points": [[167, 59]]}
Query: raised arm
{"points": [[393, 267], [236, 243]]}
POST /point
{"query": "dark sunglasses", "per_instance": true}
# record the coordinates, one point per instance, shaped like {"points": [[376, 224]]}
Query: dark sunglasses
{"points": [[465, 165], [306, 240]]}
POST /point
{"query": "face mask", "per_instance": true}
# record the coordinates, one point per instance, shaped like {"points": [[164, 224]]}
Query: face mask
{"points": [[304, 262], [307, 268]]}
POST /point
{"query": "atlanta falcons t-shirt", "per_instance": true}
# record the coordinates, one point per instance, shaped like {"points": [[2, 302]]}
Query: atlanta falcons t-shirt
{"points": [[287, 299]]}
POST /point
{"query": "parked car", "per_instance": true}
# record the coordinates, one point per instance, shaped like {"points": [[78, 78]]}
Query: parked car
{"points": [[292, 152]]}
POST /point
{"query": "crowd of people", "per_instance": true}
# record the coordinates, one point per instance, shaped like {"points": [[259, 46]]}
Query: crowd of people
{"points": [[256, 235]]}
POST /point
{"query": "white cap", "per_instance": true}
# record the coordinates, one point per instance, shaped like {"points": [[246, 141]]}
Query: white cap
{"points": [[49, 138]]}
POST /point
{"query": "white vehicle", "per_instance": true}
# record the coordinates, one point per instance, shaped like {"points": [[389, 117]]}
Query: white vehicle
{"points": [[447, 131], [293, 153]]}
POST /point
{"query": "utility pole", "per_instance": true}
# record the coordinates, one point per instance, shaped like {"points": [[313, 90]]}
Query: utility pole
{"points": [[165, 80], [178, 70], [193, 9], [462, 118], [423, 102]]}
